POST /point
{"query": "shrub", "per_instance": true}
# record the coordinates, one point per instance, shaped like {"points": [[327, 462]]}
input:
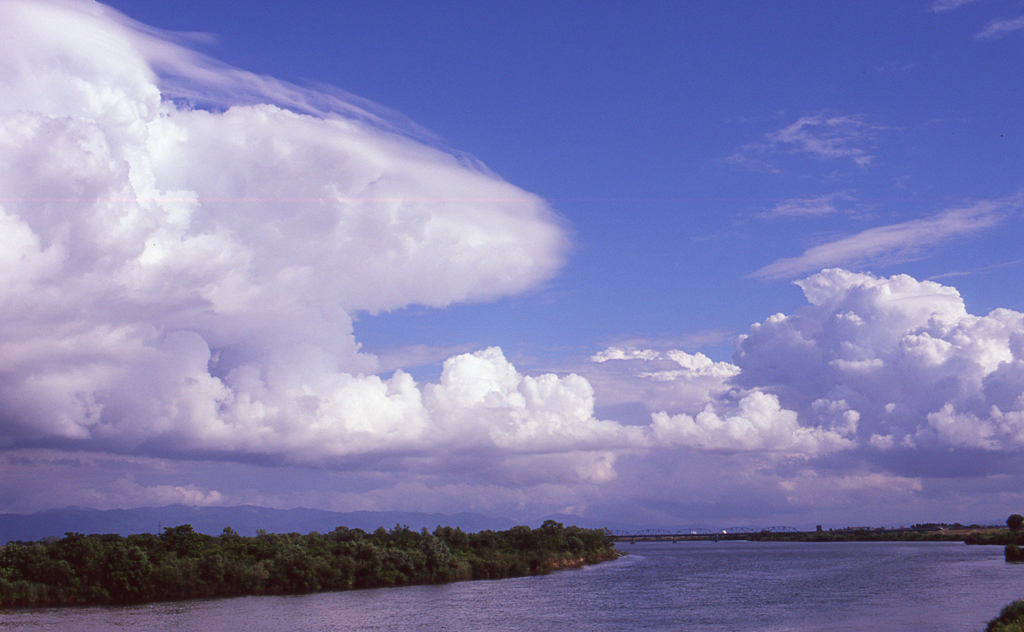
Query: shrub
{"points": [[1013, 553], [1011, 619]]}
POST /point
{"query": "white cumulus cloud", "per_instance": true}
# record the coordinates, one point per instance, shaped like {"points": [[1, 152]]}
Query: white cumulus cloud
{"points": [[872, 364], [905, 355], [758, 423], [701, 408]]}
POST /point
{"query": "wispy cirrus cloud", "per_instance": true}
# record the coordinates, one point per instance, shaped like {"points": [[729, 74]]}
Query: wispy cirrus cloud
{"points": [[984, 270], [895, 241], [947, 5], [819, 136], [806, 207], [828, 137], [999, 28]]}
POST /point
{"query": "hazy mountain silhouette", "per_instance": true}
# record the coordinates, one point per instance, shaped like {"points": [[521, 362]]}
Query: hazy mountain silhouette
{"points": [[245, 520]]}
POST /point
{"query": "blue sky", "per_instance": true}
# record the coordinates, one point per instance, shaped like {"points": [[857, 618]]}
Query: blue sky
{"points": [[517, 259], [647, 127]]}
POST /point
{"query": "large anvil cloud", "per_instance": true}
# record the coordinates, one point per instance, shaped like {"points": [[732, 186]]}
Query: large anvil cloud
{"points": [[178, 274]]}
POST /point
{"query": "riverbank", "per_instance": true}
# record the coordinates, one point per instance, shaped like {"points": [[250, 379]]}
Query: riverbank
{"points": [[183, 564], [986, 535], [969, 536]]}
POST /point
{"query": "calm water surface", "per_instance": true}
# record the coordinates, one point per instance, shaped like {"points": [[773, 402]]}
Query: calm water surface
{"points": [[727, 586]]}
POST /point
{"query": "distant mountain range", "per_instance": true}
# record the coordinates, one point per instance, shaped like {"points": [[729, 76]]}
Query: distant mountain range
{"points": [[244, 519]]}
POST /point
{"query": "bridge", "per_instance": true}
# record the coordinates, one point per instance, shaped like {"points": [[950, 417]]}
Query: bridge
{"points": [[694, 533]]}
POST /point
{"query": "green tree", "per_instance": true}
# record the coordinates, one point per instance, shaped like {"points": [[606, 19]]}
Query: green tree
{"points": [[185, 541], [126, 572], [1015, 522]]}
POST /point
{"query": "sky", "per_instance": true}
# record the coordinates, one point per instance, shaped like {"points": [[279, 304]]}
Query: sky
{"points": [[664, 264]]}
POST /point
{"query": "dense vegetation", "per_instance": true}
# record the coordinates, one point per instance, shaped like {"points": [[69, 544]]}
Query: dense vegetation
{"points": [[181, 563], [1012, 538], [1013, 553], [1011, 619]]}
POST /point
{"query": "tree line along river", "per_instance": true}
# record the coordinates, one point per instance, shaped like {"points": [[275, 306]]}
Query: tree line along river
{"points": [[705, 586], [181, 563]]}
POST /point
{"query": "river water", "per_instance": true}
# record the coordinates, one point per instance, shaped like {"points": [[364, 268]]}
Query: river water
{"points": [[703, 586]]}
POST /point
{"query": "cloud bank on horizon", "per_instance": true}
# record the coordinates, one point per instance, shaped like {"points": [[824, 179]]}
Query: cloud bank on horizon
{"points": [[179, 276]]}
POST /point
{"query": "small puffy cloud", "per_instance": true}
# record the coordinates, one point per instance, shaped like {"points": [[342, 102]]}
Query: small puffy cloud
{"points": [[618, 353], [881, 442], [895, 241], [689, 365], [693, 366]]}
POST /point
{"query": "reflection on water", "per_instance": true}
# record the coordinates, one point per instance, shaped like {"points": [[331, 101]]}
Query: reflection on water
{"points": [[726, 586]]}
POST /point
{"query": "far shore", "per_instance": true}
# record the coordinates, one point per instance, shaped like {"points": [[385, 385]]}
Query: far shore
{"points": [[987, 535]]}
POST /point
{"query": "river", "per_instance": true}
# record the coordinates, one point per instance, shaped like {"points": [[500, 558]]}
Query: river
{"points": [[702, 586]]}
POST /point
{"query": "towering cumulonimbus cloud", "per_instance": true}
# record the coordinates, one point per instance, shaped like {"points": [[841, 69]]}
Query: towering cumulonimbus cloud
{"points": [[183, 277]]}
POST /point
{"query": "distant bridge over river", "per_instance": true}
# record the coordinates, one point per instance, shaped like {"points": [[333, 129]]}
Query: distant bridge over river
{"points": [[695, 533]]}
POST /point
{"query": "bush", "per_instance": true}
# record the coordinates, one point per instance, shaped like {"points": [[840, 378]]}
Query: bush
{"points": [[1011, 619], [1013, 553]]}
